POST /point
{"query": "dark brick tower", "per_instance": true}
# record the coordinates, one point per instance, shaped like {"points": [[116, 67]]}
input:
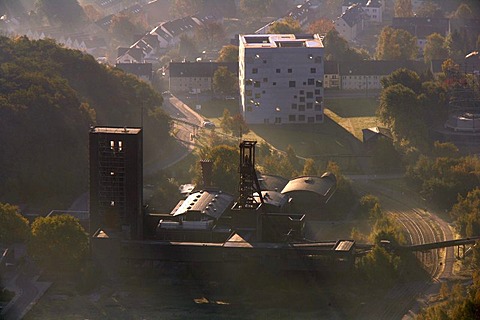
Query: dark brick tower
{"points": [[116, 180]]}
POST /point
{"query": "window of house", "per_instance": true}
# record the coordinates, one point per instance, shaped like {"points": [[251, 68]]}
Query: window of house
{"points": [[277, 71], [304, 83], [302, 91], [256, 84], [292, 118], [319, 84], [248, 93], [265, 79], [263, 91], [317, 91], [309, 95], [319, 117], [318, 107], [289, 70], [313, 70], [264, 61], [301, 118], [318, 59], [311, 119], [257, 95], [291, 84], [274, 83], [311, 82], [319, 99], [301, 107], [254, 70], [278, 120], [302, 99], [294, 106], [309, 105]]}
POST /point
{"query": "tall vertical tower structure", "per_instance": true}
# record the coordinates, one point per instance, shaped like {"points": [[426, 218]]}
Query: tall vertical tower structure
{"points": [[281, 78], [116, 180]]}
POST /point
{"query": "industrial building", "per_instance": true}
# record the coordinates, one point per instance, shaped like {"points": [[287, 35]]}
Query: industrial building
{"points": [[209, 225], [116, 180], [281, 78]]}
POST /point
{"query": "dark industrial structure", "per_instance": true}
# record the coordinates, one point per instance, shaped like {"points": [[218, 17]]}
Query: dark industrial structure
{"points": [[116, 180], [209, 225]]}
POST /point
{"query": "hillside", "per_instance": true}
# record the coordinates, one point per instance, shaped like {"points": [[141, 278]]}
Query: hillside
{"points": [[49, 96]]}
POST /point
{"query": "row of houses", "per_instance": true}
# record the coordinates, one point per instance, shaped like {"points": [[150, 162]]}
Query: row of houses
{"points": [[357, 15], [360, 75], [150, 46]]}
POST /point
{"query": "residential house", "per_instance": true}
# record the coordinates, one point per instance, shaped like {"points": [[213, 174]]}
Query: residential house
{"points": [[331, 78], [351, 22], [143, 71], [367, 74], [195, 76], [421, 27], [372, 8], [303, 13]]}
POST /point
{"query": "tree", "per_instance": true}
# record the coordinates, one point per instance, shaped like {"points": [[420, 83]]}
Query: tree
{"points": [[66, 13], [188, 48], [13, 226], [396, 44], [228, 53], [456, 44], [226, 123], [367, 203], [405, 77], [435, 48], [183, 8], [403, 8], [225, 166], [224, 81], [123, 30], [252, 9], [285, 26], [321, 26], [58, 242], [430, 9], [463, 12], [309, 168], [210, 35], [337, 48], [385, 156], [467, 213]]}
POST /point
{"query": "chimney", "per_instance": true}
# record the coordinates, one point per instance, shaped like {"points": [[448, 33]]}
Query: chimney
{"points": [[207, 168]]}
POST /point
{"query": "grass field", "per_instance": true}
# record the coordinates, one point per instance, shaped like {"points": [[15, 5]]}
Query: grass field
{"points": [[339, 135]]}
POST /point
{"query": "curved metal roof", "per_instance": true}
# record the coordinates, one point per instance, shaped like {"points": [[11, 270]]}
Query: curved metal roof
{"points": [[320, 185]]}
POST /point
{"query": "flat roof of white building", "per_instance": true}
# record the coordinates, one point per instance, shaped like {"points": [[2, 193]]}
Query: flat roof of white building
{"points": [[281, 41]]}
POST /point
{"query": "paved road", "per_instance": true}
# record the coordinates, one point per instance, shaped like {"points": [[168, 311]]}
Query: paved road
{"points": [[27, 292]]}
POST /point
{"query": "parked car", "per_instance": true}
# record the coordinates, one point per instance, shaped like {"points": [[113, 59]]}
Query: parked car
{"points": [[208, 124]]}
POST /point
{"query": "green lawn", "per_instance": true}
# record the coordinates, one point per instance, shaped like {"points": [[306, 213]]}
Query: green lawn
{"points": [[351, 108], [214, 108]]}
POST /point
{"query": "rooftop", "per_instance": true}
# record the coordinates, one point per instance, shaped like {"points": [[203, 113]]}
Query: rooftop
{"points": [[122, 130], [281, 40]]}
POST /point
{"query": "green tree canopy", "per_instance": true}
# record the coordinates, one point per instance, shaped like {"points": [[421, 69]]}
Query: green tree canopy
{"points": [[337, 48], [228, 53], [435, 48], [13, 226], [58, 242], [285, 26], [224, 81], [66, 13], [403, 8], [321, 26], [48, 99], [225, 166], [124, 30], [396, 44]]}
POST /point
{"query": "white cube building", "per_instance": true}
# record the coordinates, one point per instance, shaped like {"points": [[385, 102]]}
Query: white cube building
{"points": [[281, 78]]}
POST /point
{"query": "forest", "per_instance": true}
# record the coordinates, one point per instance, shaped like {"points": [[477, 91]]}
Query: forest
{"points": [[49, 97]]}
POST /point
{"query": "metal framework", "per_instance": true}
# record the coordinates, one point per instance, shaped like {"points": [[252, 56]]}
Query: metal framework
{"points": [[248, 177]]}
